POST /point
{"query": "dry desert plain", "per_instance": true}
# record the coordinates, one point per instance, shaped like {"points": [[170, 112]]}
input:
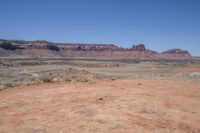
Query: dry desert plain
{"points": [[50, 95]]}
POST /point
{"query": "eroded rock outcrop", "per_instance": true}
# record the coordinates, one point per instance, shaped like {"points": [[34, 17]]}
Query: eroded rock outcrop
{"points": [[41, 44], [139, 47], [176, 53], [48, 49], [89, 47], [9, 46]]}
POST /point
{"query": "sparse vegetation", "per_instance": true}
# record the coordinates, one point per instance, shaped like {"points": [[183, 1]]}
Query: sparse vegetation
{"points": [[32, 63], [46, 70], [68, 79], [6, 85], [147, 97], [70, 69], [82, 80], [152, 111], [46, 78]]}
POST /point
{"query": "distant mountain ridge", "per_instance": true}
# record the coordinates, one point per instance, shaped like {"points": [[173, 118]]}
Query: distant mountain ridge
{"points": [[42, 48]]}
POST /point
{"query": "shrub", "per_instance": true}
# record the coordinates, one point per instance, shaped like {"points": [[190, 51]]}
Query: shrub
{"points": [[68, 79], [46, 78], [6, 85], [83, 80], [70, 69]]}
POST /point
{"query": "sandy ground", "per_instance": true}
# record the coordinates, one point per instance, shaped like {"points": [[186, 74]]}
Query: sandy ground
{"points": [[120, 106]]}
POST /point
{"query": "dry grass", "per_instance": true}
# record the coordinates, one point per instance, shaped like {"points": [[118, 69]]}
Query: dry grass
{"points": [[22, 71]]}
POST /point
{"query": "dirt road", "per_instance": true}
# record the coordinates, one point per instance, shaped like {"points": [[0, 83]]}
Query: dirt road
{"points": [[120, 106]]}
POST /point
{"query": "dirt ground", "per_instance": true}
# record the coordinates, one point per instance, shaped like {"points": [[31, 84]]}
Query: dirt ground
{"points": [[116, 106]]}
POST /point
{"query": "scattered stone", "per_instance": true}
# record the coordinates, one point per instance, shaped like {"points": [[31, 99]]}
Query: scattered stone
{"points": [[55, 80], [138, 84], [50, 73], [195, 74], [100, 99]]}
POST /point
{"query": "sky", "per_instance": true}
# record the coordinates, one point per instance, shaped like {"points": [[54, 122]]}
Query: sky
{"points": [[159, 24]]}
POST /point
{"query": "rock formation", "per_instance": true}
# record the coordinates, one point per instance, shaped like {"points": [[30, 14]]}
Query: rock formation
{"points": [[49, 49], [175, 53], [41, 44], [139, 47]]}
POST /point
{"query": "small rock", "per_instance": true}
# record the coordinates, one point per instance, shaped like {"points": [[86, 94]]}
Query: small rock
{"points": [[55, 80], [100, 99], [195, 74], [138, 84]]}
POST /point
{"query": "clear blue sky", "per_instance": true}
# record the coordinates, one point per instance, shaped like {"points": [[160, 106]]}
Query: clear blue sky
{"points": [[159, 24]]}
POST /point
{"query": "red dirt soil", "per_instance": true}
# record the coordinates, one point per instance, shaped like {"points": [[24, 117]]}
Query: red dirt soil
{"points": [[120, 106]]}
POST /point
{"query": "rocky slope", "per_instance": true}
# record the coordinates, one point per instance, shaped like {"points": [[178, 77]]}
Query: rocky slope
{"points": [[41, 48], [175, 53]]}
